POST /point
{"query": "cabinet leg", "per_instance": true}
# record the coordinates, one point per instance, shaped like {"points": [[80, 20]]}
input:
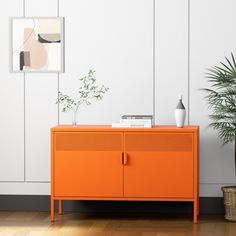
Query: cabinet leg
{"points": [[52, 210], [60, 207], [195, 211], [198, 207]]}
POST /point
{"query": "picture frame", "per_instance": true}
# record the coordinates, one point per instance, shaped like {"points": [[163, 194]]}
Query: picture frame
{"points": [[37, 44]]}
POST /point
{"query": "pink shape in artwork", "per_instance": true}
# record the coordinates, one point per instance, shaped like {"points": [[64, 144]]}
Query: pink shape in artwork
{"points": [[38, 51]]}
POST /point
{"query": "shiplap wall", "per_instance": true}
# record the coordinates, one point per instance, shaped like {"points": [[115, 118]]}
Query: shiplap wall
{"points": [[115, 37]]}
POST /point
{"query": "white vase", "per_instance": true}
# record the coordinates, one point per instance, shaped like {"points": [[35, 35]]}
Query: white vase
{"points": [[180, 113], [74, 117]]}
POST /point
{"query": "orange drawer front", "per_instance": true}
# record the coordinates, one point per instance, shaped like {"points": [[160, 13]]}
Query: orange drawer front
{"points": [[89, 141], [161, 142]]}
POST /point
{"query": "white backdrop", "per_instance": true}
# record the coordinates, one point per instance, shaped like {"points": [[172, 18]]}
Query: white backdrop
{"points": [[115, 37]]}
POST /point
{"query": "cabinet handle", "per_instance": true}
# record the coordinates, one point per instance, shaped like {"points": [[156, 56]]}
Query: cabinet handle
{"points": [[125, 158], [122, 158]]}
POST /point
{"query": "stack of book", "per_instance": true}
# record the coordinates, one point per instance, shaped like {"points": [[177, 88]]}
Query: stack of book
{"points": [[134, 121]]}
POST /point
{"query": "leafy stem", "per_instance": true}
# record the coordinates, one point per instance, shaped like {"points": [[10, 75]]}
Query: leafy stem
{"points": [[88, 92]]}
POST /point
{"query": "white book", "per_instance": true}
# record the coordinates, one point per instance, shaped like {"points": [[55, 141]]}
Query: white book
{"points": [[120, 125], [129, 125], [134, 121], [140, 125], [137, 117]]}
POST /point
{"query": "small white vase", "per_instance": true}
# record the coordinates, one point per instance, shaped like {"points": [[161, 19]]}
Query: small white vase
{"points": [[75, 117], [180, 113]]}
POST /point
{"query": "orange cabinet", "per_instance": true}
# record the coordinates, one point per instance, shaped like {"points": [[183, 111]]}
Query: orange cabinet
{"points": [[104, 163]]}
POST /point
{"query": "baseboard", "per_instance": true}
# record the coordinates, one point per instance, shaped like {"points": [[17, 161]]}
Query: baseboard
{"points": [[208, 205]]}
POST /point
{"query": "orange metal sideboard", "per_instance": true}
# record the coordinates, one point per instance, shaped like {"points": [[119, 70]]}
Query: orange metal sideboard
{"points": [[138, 164]]}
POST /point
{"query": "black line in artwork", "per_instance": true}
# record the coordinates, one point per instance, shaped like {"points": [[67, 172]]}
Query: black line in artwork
{"points": [[22, 60]]}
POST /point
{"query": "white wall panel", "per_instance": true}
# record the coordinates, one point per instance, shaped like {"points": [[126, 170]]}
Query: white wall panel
{"points": [[171, 58], [12, 105], [41, 110], [213, 189], [114, 37], [40, 8], [25, 188], [212, 34], [41, 115]]}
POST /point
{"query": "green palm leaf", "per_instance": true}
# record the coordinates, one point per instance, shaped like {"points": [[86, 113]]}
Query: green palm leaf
{"points": [[221, 99]]}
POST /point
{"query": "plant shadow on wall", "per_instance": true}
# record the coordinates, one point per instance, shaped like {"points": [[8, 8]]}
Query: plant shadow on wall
{"points": [[87, 93], [221, 98]]}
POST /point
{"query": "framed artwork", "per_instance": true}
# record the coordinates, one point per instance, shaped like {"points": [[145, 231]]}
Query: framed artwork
{"points": [[37, 44]]}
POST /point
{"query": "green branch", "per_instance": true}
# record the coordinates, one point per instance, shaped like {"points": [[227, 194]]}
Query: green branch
{"points": [[88, 92]]}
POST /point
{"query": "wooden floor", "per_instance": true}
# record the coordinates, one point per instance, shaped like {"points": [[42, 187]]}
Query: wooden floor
{"points": [[38, 223]]}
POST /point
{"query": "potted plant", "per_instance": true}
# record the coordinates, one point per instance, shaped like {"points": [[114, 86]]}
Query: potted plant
{"points": [[88, 92], [221, 98]]}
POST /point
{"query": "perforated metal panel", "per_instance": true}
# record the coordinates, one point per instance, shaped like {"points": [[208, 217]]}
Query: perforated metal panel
{"points": [[159, 142], [90, 141]]}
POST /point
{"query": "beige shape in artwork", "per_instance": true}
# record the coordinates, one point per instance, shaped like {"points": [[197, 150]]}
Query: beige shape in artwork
{"points": [[38, 52], [27, 58], [49, 26], [51, 37]]}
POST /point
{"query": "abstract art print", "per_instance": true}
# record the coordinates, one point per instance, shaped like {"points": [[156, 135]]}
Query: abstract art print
{"points": [[37, 45]]}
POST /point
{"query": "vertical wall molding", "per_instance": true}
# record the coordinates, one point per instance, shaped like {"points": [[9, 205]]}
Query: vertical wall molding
{"points": [[58, 106], [24, 112], [58, 8], [58, 74], [24, 100], [23, 8], [154, 61], [188, 62]]}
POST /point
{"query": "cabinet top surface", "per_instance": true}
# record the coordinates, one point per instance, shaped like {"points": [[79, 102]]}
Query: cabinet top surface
{"points": [[71, 128]]}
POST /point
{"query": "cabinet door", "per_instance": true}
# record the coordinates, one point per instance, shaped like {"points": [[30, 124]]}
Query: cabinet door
{"points": [[158, 165], [88, 164]]}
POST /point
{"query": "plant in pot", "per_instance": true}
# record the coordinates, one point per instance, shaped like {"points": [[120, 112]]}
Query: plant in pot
{"points": [[88, 92], [221, 98]]}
